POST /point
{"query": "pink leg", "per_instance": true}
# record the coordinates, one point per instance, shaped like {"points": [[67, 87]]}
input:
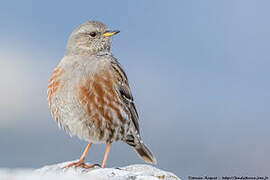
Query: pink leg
{"points": [[81, 161], [106, 155]]}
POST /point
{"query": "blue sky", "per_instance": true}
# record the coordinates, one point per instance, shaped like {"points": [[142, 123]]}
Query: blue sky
{"points": [[199, 71]]}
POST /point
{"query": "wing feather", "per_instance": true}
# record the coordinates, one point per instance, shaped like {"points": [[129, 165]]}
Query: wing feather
{"points": [[125, 93]]}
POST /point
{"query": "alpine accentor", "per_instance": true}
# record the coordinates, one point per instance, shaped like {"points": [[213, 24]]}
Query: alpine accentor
{"points": [[89, 94]]}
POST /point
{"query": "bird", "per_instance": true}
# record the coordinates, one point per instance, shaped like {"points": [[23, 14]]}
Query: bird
{"points": [[89, 94]]}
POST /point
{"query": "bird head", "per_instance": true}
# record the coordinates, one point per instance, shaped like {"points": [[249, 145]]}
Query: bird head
{"points": [[90, 38]]}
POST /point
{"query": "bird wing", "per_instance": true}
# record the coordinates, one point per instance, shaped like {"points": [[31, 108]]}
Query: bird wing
{"points": [[125, 94]]}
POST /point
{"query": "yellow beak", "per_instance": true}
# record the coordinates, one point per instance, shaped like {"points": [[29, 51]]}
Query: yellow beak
{"points": [[110, 33]]}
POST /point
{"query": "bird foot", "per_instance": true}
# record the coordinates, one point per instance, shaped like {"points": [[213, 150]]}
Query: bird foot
{"points": [[82, 164]]}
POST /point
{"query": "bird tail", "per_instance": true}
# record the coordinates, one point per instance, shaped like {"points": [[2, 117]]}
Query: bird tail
{"points": [[145, 153], [141, 149]]}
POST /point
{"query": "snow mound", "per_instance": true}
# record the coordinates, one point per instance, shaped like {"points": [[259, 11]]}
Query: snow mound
{"points": [[58, 171]]}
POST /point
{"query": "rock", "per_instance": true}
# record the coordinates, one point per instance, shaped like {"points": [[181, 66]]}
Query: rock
{"points": [[56, 171]]}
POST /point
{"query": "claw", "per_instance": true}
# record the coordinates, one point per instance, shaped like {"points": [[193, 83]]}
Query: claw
{"points": [[82, 164], [98, 165]]}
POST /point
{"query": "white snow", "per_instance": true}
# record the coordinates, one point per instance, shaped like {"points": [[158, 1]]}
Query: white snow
{"points": [[57, 171]]}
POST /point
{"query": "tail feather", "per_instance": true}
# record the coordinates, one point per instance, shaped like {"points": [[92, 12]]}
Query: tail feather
{"points": [[140, 148], [145, 153]]}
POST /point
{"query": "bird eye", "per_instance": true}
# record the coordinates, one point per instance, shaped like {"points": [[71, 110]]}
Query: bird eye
{"points": [[93, 34]]}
